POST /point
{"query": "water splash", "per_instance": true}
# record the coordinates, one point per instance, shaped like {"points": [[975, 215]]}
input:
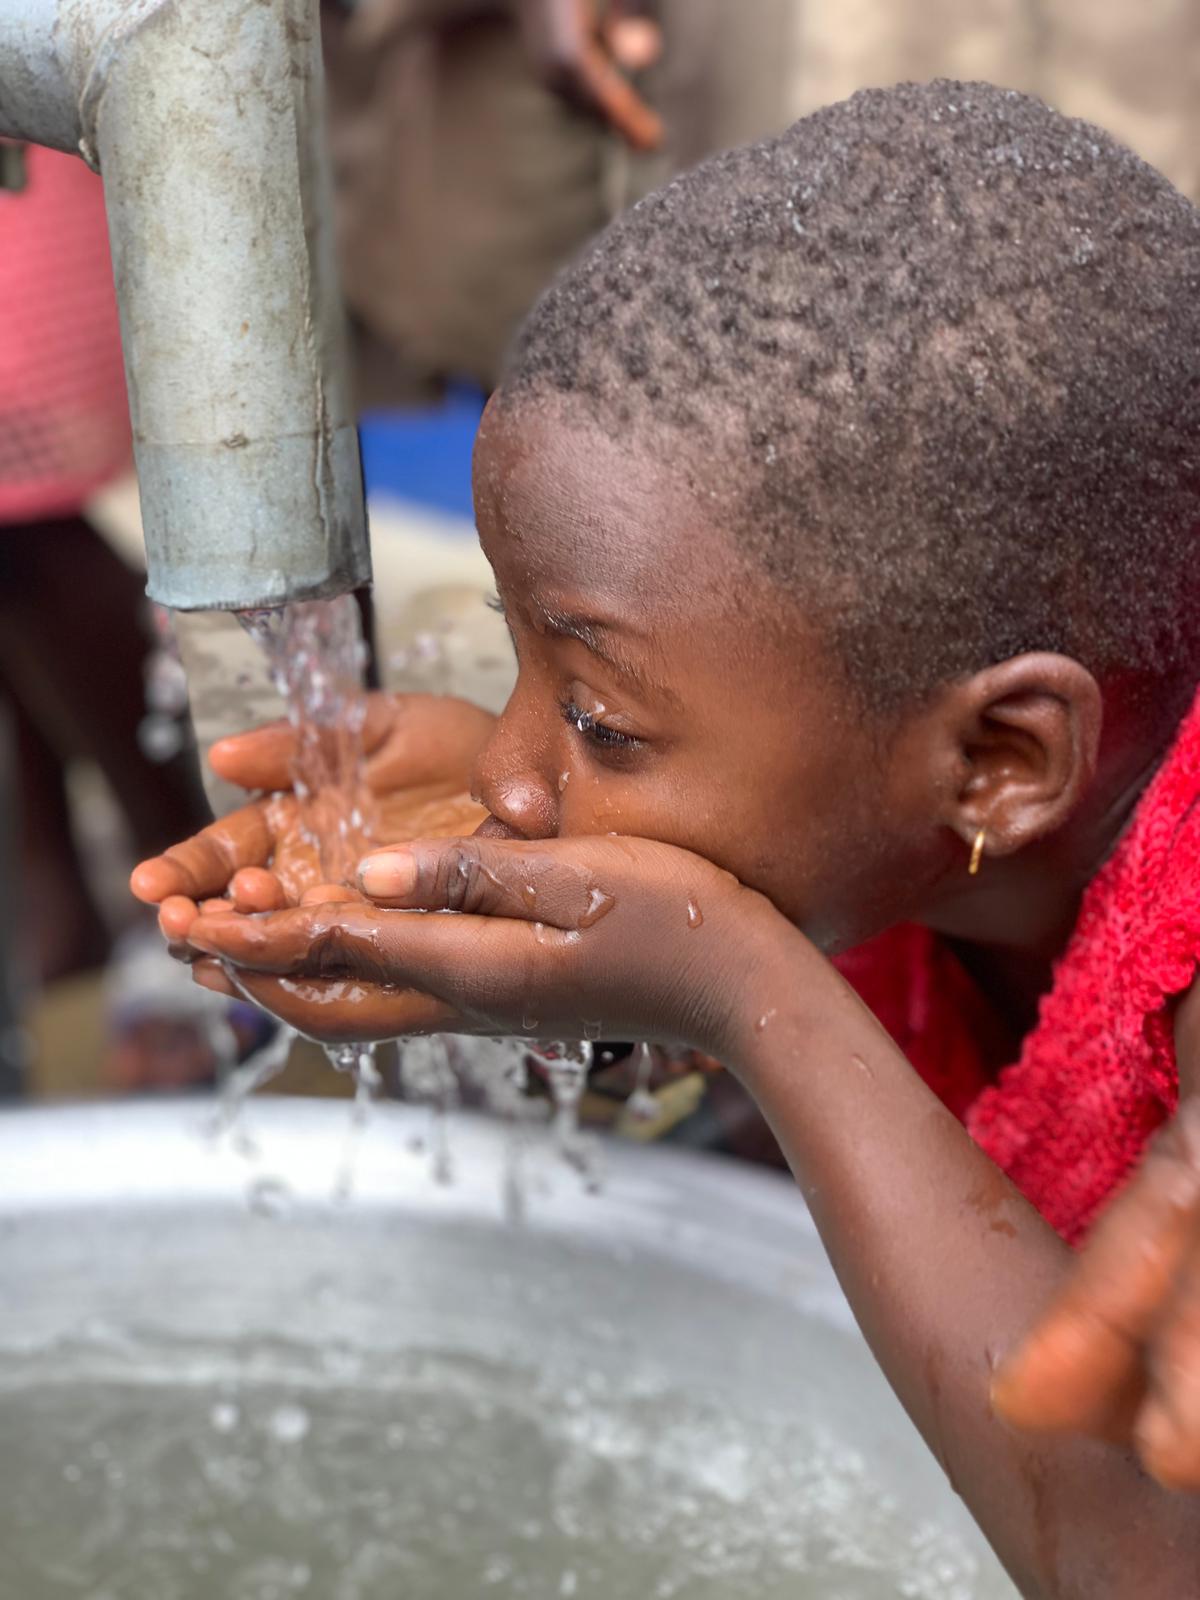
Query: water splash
{"points": [[358, 1062], [258, 1069], [427, 1077], [316, 656], [567, 1067], [642, 1105]]}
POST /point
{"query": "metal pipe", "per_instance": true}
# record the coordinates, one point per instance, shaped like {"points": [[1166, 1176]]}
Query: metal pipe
{"points": [[205, 119]]}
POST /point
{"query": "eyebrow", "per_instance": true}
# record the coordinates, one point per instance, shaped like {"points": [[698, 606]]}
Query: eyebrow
{"points": [[595, 636], [590, 633]]}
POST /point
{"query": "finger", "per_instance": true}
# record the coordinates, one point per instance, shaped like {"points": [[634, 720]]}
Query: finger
{"points": [[329, 940], [262, 758], [447, 957], [256, 889], [1078, 1368], [210, 974], [203, 865], [329, 894], [574, 63], [431, 740], [600, 84], [485, 877], [635, 42], [363, 966], [334, 1011], [215, 908], [1168, 1431], [175, 917]]}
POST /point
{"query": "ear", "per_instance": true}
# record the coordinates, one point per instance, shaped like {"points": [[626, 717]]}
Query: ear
{"points": [[1027, 735]]}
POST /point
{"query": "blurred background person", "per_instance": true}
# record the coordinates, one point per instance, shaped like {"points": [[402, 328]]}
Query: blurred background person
{"points": [[479, 144], [73, 639]]}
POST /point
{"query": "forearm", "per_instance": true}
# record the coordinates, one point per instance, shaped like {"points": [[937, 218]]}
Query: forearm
{"points": [[946, 1267]]}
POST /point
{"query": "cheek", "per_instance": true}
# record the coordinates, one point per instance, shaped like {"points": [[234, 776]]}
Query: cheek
{"points": [[591, 800], [661, 800]]}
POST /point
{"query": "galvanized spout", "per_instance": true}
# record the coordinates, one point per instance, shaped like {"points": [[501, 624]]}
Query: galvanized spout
{"points": [[205, 119]]}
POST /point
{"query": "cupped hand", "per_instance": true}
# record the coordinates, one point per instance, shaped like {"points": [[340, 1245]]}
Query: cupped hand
{"points": [[582, 50], [562, 938], [420, 750], [1118, 1354]]}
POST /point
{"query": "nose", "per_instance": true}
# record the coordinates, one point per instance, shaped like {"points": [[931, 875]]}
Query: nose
{"points": [[508, 779]]}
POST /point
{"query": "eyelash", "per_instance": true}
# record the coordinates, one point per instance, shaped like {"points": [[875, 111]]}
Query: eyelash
{"points": [[596, 733]]}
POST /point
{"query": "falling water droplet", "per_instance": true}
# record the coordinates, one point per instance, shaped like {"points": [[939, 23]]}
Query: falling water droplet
{"points": [[641, 1105], [564, 779], [694, 915], [269, 1197], [342, 1057], [567, 1067], [764, 1022]]}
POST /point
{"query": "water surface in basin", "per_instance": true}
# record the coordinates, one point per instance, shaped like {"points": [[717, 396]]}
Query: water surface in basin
{"points": [[264, 1473], [649, 1391]]}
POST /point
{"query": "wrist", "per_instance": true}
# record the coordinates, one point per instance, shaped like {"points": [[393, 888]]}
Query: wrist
{"points": [[761, 980]]}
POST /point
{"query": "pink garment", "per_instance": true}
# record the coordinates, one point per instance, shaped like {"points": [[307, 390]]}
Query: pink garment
{"points": [[64, 423], [1097, 1075]]}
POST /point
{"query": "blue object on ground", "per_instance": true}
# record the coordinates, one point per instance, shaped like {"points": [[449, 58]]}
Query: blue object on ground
{"points": [[424, 456]]}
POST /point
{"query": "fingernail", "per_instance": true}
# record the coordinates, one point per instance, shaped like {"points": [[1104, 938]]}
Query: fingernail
{"points": [[390, 875]]}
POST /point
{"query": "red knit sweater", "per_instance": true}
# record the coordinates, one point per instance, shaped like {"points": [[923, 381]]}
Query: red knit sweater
{"points": [[1097, 1075]]}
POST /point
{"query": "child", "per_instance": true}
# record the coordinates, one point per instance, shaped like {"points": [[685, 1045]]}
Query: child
{"points": [[843, 504]]}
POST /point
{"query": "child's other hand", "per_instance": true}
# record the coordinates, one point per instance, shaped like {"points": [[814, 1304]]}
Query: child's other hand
{"points": [[1118, 1354], [420, 751], [562, 938]]}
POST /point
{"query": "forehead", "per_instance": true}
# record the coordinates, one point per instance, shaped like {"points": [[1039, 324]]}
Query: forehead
{"points": [[632, 533], [562, 504]]}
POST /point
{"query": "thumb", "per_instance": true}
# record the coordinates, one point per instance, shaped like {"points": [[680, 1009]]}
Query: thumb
{"points": [[486, 877], [262, 758]]}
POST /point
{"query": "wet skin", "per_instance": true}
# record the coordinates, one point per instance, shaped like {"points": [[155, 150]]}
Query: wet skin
{"points": [[668, 693]]}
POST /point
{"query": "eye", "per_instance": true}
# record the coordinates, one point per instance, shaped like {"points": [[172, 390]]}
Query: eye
{"points": [[596, 733]]}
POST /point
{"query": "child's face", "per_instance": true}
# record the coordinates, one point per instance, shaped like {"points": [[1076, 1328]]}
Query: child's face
{"points": [[667, 692]]}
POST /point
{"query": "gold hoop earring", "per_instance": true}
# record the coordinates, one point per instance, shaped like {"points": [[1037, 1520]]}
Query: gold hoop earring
{"points": [[977, 852]]}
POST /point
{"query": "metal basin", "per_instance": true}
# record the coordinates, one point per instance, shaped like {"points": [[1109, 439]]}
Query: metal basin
{"points": [[217, 1377]]}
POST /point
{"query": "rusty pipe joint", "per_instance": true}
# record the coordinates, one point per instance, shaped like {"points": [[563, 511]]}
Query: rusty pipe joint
{"points": [[205, 120]]}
